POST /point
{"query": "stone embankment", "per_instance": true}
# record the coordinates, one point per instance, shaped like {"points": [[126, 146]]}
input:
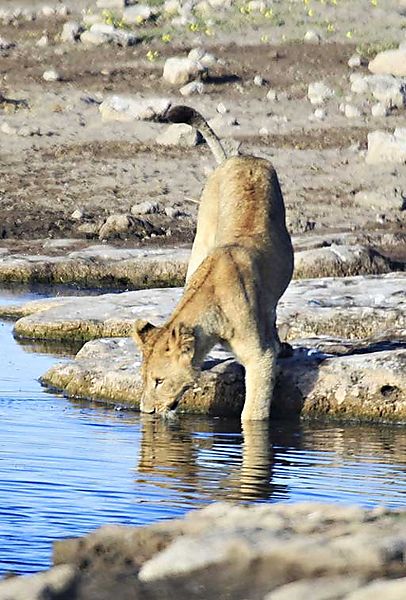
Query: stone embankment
{"points": [[263, 552]]}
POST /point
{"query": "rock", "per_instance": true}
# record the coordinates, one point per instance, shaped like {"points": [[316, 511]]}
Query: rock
{"points": [[192, 88], [355, 61], [259, 80], [179, 71], [126, 108], [319, 92], [386, 147], [42, 42], [48, 11], [388, 90], [301, 551], [312, 37], [379, 110], [359, 84], [145, 208], [51, 75], [124, 225], [136, 14], [272, 95], [320, 114], [390, 590], [54, 583], [369, 385], [339, 260], [100, 33], [222, 109], [29, 130], [351, 112], [179, 134], [77, 215], [71, 32], [392, 62], [201, 56], [5, 44], [99, 266], [173, 212]]}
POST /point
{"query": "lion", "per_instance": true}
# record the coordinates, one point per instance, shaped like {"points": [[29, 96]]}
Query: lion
{"points": [[241, 264]]}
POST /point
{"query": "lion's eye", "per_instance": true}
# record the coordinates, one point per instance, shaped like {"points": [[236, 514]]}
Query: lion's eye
{"points": [[158, 382]]}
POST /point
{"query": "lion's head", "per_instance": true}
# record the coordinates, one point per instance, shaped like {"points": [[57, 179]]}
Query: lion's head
{"points": [[167, 366]]}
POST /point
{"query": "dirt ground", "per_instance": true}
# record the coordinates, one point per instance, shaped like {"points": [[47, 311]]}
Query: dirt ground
{"points": [[69, 160]]}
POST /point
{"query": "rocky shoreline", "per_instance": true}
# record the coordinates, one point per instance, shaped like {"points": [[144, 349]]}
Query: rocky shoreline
{"points": [[262, 552]]}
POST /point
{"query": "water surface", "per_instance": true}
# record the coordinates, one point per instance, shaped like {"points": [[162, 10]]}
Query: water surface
{"points": [[67, 467]]}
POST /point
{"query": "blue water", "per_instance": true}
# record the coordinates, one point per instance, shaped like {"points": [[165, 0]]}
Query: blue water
{"points": [[67, 467]]}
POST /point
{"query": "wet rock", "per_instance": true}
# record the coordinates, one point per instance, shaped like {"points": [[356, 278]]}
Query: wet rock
{"points": [[363, 386], [127, 108], [386, 147], [179, 71], [55, 583], [391, 62], [71, 32], [179, 134]]}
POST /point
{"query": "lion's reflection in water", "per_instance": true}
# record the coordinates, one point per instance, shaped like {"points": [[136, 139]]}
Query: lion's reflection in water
{"points": [[199, 460]]}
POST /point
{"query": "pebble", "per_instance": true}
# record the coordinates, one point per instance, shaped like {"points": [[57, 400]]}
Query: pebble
{"points": [[70, 32], [271, 95], [148, 207], [51, 75], [77, 214], [179, 134], [173, 212], [259, 80], [134, 15], [318, 92], [192, 88], [312, 37], [203, 57], [351, 111], [355, 61], [359, 84], [379, 110], [320, 114], [222, 108], [42, 42]]}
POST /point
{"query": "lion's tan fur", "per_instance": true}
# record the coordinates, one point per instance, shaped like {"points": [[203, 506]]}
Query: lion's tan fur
{"points": [[241, 263]]}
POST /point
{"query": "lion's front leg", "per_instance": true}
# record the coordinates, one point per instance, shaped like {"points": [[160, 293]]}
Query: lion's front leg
{"points": [[259, 383]]}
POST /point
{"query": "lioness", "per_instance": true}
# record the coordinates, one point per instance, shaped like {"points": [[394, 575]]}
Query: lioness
{"points": [[241, 263]]}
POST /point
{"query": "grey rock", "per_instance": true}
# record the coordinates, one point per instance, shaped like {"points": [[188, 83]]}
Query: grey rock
{"points": [[355, 61], [180, 70], [119, 4], [192, 88], [385, 199], [119, 225], [390, 590], [201, 56], [127, 108], [70, 32], [179, 134], [359, 84], [137, 14], [351, 111], [51, 75], [147, 207], [322, 588], [318, 92], [5, 44], [388, 90], [100, 33], [379, 110]]}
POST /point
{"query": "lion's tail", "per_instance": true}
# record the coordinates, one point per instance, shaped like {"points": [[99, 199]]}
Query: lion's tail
{"points": [[185, 114]]}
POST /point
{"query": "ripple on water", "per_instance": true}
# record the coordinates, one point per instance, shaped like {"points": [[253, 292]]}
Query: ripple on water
{"points": [[67, 468]]}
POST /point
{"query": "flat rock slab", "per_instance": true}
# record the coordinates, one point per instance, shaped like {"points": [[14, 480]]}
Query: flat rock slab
{"points": [[273, 551], [100, 266], [366, 386], [350, 307]]}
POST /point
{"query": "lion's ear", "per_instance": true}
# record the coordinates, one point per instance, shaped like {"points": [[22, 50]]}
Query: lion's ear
{"points": [[182, 338], [141, 331]]}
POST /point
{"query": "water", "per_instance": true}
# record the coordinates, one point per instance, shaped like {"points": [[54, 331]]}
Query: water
{"points": [[67, 467]]}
